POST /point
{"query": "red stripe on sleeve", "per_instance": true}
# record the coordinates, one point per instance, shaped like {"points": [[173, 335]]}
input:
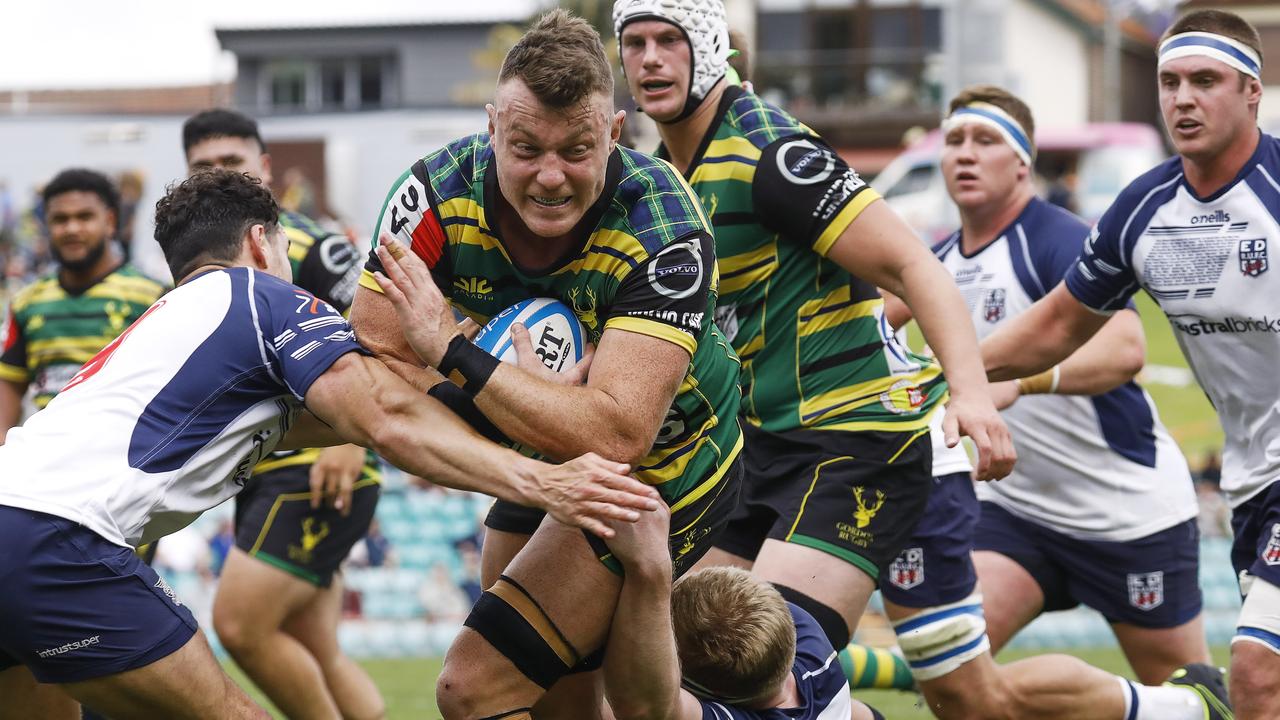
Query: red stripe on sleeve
{"points": [[428, 239]]}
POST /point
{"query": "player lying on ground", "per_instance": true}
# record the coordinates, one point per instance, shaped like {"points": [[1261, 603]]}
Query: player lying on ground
{"points": [[1195, 233], [722, 644], [167, 421]]}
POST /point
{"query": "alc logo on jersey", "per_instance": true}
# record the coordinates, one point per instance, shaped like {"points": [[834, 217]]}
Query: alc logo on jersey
{"points": [[1253, 257], [1146, 590], [993, 307]]}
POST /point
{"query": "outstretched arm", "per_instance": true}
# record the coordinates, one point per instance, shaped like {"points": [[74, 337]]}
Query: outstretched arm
{"points": [[641, 666], [1043, 336], [367, 404], [879, 248]]}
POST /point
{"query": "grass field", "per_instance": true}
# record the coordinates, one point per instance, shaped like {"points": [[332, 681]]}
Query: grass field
{"points": [[407, 684]]}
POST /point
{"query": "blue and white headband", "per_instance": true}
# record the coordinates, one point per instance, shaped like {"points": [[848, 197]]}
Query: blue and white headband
{"points": [[984, 113], [1218, 47]]}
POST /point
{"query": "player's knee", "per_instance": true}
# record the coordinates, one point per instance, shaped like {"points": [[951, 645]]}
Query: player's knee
{"points": [[939, 640], [234, 632], [1254, 678]]}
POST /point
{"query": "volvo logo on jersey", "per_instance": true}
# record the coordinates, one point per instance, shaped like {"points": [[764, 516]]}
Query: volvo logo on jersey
{"points": [[1146, 590], [1253, 257]]}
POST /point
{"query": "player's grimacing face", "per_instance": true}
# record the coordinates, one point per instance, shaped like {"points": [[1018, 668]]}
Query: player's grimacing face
{"points": [[551, 162], [229, 153], [979, 167], [658, 63], [80, 225], [1206, 105]]}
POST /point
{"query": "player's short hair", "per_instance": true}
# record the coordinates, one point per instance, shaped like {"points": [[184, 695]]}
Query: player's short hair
{"points": [[1218, 22], [1001, 98], [561, 60], [205, 217], [82, 180], [734, 634], [219, 123]]}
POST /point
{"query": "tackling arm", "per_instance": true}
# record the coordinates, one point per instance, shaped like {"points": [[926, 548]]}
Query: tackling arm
{"points": [[367, 404], [1041, 337]]}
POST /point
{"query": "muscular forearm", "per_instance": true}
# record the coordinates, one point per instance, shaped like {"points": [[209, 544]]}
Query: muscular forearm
{"points": [[562, 421], [1043, 336], [641, 668], [932, 298]]}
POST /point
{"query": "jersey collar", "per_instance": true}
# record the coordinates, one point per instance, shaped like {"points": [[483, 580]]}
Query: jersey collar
{"points": [[731, 93]]}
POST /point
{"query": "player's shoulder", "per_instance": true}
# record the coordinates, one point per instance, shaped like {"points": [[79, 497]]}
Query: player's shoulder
{"points": [[43, 289], [759, 121], [1140, 191], [941, 248], [1044, 220], [129, 276], [455, 169], [652, 202], [1267, 156]]}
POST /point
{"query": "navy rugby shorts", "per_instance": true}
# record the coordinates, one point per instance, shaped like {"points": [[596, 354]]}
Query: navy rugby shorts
{"points": [[936, 567]]}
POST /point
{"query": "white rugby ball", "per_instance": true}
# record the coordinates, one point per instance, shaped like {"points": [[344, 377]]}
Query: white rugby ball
{"points": [[554, 330]]}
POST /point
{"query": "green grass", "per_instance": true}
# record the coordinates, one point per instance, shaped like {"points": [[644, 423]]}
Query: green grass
{"points": [[407, 684]]}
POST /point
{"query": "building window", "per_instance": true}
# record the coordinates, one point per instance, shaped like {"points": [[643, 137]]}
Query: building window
{"points": [[372, 71], [288, 81], [333, 84]]}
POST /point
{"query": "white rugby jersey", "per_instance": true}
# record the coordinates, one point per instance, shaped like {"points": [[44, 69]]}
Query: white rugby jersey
{"points": [[1206, 261], [169, 419], [1097, 467]]}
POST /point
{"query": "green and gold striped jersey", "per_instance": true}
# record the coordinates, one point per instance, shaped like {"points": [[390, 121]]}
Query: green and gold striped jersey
{"points": [[49, 332], [816, 351], [647, 265], [326, 265]]}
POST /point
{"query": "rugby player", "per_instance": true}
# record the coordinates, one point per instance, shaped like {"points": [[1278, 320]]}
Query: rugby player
{"points": [[168, 420], [1099, 509], [837, 448], [722, 644], [280, 593], [56, 324], [1195, 233], [546, 204], [60, 321]]}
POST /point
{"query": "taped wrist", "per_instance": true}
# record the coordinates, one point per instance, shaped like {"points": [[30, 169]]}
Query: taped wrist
{"points": [[472, 365], [1045, 383], [464, 406]]}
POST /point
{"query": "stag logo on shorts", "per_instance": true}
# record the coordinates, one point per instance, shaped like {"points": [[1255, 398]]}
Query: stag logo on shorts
{"points": [[1271, 554], [1146, 590], [907, 570]]}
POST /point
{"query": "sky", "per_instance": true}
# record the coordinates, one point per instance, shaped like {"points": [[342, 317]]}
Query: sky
{"points": [[75, 44]]}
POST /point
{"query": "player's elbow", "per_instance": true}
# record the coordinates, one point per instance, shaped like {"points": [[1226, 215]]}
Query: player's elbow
{"points": [[1129, 359]]}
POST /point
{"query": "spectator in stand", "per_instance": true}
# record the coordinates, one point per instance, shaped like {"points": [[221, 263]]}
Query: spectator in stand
{"points": [[373, 550], [470, 581], [441, 598], [1211, 468], [220, 544]]}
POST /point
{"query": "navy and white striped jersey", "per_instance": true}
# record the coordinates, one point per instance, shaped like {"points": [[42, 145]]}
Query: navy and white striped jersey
{"points": [[1098, 467], [1206, 261], [820, 682], [169, 419]]}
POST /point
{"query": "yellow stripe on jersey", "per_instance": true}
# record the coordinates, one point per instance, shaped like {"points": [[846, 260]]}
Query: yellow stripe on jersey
{"points": [[705, 486], [137, 296], [652, 328], [367, 282], [135, 284], [843, 219], [832, 310], [13, 374], [604, 262], [299, 243], [732, 145], [845, 400], [43, 291], [302, 457], [729, 170], [765, 256]]}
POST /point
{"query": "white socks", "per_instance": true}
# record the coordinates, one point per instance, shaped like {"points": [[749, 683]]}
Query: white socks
{"points": [[1150, 702]]}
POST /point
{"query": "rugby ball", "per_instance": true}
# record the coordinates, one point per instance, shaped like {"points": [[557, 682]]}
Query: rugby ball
{"points": [[554, 330]]}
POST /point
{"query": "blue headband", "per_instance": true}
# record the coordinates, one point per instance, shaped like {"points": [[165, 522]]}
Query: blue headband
{"points": [[1218, 47], [987, 114]]}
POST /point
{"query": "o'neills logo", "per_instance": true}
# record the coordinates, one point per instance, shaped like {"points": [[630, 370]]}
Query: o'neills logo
{"points": [[1217, 216], [69, 647]]}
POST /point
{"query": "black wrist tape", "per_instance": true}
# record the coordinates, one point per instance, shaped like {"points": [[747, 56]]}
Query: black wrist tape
{"points": [[464, 406], [473, 365]]}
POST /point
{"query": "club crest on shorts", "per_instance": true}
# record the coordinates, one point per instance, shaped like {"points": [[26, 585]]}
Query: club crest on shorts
{"points": [[1253, 257], [907, 570], [1271, 554], [993, 307], [1146, 590]]}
